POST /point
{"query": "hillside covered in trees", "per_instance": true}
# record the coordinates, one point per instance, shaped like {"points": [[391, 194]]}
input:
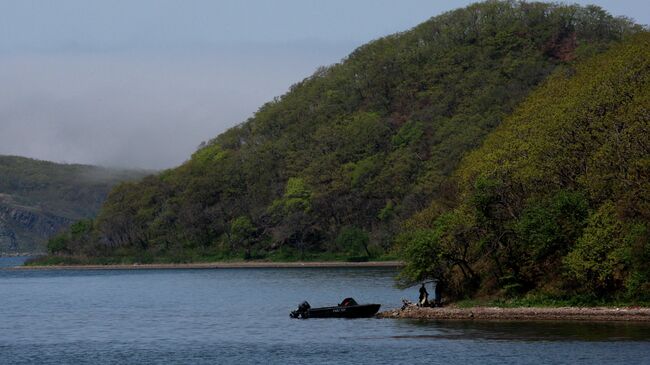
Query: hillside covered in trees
{"points": [[362, 158], [556, 201], [40, 198]]}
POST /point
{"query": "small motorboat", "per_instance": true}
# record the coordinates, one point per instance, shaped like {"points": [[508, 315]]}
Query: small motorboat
{"points": [[349, 308]]}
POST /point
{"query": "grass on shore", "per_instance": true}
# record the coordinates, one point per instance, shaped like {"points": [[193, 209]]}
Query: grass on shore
{"points": [[542, 301]]}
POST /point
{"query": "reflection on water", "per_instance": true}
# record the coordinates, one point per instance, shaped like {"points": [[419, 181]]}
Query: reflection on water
{"points": [[536, 331], [241, 316]]}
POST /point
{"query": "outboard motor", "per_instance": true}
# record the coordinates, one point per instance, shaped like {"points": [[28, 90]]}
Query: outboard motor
{"points": [[302, 311]]}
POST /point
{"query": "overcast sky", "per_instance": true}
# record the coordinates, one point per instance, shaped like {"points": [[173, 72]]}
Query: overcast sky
{"points": [[140, 83]]}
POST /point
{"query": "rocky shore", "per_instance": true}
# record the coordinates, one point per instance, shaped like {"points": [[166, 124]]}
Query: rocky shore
{"points": [[632, 314]]}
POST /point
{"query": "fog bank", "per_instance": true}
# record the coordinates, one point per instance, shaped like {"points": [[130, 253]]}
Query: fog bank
{"points": [[140, 109]]}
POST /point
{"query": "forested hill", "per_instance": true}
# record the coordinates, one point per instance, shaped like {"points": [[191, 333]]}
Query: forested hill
{"points": [[337, 164], [556, 202], [40, 198]]}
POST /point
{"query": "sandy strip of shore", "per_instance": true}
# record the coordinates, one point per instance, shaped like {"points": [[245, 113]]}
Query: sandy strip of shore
{"points": [[218, 265], [634, 314]]}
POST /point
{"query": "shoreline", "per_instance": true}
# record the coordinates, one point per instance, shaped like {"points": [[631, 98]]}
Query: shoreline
{"points": [[19, 254], [218, 265], [524, 314]]}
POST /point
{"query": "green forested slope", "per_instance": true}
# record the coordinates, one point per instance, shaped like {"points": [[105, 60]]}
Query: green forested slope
{"points": [[556, 202], [340, 161], [39, 198]]}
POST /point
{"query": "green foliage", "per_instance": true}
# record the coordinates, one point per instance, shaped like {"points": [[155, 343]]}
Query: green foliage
{"points": [[57, 245], [293, 221], [603, 260], [545, 231], [296, 195], [557, 195], [551, 226], [540, 300], [387, 212], [81, 227], [409, 134], [353, 241], [361, 146], [422, 253], [598, 257], [242, 234], [73, 240], [441, 252], [242, 229], [638, 280]]}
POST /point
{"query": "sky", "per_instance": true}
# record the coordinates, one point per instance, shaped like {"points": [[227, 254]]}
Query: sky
{"points": [[141, 83]]}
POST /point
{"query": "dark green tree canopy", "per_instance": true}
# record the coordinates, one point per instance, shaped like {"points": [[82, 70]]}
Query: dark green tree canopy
{"points": [[556, 200]]}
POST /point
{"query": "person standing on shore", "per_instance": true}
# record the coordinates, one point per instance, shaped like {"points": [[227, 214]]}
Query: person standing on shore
{"points": [[424, 296]]}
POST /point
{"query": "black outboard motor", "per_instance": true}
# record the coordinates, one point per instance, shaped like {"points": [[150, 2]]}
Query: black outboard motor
{"points": [[302, 311]]}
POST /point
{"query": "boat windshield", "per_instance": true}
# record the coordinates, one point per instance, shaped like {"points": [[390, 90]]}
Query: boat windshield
{"points": [[348, 302]]}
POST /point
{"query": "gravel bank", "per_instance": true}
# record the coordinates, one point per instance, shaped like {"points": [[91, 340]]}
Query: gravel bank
{"points": [[635, 314]]}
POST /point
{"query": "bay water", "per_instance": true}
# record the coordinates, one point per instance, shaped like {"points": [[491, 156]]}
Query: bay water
{"points": [[241, 316]]}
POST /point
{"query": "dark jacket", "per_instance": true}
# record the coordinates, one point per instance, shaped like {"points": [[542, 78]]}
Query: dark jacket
{"points": [[423, 292]]}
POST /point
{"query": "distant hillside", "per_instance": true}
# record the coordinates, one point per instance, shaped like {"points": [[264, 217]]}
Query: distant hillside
{"points": [[40, 198], [336, 165], [556, 201]]}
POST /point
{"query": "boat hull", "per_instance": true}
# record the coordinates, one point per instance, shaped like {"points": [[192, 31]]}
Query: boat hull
{"points": [[353, 311]]}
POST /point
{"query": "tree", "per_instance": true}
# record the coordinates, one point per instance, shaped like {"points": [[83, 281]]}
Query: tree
{"points": [[599, 262], [242, 234], [293, 222], [354, 242]]}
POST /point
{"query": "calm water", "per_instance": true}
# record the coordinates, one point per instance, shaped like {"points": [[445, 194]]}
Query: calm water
{"points": [[241, 316]]}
